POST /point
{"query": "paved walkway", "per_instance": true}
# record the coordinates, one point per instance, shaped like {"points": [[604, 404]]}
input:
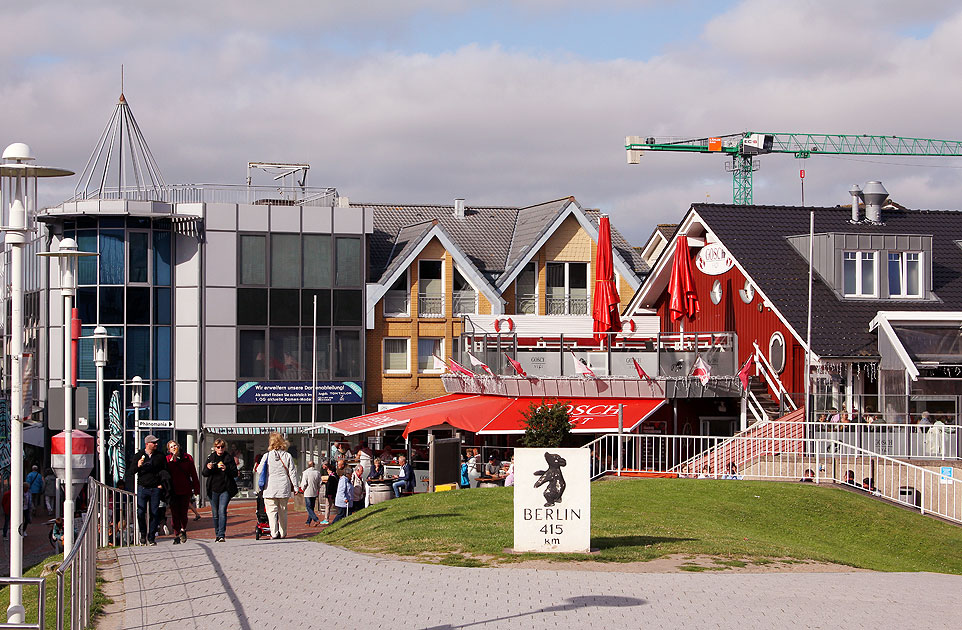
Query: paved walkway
{"points": [[265, 584]]}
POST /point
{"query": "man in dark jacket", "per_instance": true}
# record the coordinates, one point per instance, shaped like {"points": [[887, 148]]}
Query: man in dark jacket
{"points": [[150, 464], [221, 472]]}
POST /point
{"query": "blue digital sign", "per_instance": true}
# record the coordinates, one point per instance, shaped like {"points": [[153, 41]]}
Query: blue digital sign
{"points": [[297, 392]]}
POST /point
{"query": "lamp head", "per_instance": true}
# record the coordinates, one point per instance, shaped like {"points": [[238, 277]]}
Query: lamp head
{"points": [[100, 346], [19, 152], [137, 392]]}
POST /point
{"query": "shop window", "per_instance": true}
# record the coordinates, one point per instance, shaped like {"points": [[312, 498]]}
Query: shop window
{"points": [[138, 352], [283, 414], [427, 348], [161, 352], [343, 412], [286, 260], [161, 400], [111, 305], [137, 267], [323, 353], [349, 263], [115, 353], [253, 259], [251, 307], [347, 354], [905, 274], [87, 304], [396, 355], [348, 310], [526, 290], [859, 272], [251, 354], [161, 306], [251, 414], [317, 260]]}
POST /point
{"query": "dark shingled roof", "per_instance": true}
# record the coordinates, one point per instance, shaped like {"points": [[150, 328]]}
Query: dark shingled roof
{"points": [[494, 238], [667, 229], [755, 236]]}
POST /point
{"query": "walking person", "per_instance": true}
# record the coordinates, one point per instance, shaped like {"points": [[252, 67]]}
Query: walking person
{"points": [[311, 487], [344, 497], [358, 485], [330, 491], [184, 484], [221, 472], [150, 463], [49, 491], [278, 474], [474, 467], [35, 479]]}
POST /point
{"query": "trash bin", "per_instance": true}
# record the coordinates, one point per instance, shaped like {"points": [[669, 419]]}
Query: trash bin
{"points": [[910, 496]]}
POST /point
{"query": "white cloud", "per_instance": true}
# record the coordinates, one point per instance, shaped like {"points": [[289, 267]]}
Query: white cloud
{"points": [[215, 85]]}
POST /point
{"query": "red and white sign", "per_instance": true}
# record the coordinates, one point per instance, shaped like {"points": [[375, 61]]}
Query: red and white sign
{"points": [[83, 455], [713, 260], [588, 415]]}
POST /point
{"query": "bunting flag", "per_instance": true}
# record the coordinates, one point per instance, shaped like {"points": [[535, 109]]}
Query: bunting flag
{"points": [[439, 363], [745, 372], [701, 370], [476, 362], [641, 372], [582, 368], [517, 366], [457, 368]]}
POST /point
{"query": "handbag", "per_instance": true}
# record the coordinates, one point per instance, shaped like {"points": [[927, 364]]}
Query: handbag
{"points": [[262, 476]]}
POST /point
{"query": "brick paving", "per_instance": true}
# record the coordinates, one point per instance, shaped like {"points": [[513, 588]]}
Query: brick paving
{"points": [[291, 583]]}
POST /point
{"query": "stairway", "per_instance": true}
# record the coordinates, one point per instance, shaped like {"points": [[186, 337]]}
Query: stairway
{"points": [[759, 388]]}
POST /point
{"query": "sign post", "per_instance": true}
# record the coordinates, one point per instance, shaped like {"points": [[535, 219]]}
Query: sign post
{"points": [[552, 500]]}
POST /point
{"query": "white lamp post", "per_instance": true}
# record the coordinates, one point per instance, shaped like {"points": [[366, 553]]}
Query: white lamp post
{"points": [[68, 253], [100, 360], [137, 400], [18, 183]]}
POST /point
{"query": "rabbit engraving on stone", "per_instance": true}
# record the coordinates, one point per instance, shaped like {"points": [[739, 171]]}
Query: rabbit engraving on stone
{"points": [[552, 479]]}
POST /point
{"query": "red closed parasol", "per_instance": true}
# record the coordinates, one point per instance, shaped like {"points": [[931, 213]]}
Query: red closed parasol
{"points": [[605, 311], [681, 288]]}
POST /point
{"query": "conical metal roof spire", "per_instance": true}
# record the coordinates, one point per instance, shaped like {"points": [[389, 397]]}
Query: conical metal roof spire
{"points": [[121, 166]]}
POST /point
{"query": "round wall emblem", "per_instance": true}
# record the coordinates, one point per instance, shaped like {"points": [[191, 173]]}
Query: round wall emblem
{"points": [[714, 260]]}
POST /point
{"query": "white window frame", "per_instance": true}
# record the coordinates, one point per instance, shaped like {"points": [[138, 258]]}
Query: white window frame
{"points": [[431, 370], [777, 336], [407, 284], [536, 294], [407, 355], [859, 254], [474, 311], [567, 287], [903, 274], [443, 288]]}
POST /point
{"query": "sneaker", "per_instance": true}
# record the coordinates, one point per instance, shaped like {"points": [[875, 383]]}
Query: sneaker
{"points": [[196, 517], [221, 539], [325, 523], [183, 536], [151, 543], [143, 540], [177, 540]]}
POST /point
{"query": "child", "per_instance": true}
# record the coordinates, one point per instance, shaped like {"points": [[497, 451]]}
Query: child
{"points": [[56, 536]]}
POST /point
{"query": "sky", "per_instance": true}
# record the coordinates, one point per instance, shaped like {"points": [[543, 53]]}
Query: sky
{"points": [[500, 103]]}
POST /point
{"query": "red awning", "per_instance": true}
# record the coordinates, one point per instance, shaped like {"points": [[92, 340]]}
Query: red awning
{"points": [[588, 415], [468, 412]]}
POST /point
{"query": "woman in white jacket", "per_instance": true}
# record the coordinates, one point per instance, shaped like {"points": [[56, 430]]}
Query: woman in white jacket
{"points": [[277, 474]]}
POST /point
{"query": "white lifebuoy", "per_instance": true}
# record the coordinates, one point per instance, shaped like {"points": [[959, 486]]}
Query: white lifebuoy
{"points": [[498, 323], [629, 324]]}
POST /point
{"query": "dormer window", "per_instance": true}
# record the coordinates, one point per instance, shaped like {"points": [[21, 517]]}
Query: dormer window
{"points": [[905, 274], [859, 272]]}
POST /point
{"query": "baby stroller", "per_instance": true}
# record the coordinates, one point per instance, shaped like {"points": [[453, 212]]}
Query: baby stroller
{"points": [[263, 527]]}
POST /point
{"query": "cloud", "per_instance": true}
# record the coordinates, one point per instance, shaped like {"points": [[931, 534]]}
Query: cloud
{"points": [[220, 84]]}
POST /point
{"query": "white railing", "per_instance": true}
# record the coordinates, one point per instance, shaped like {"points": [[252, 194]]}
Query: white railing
{"points": [[430, 305], [771, 377], [779, 458], [41, 585], [910, 441]]}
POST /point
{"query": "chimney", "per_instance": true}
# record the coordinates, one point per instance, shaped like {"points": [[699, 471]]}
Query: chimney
{"points": [[459, 208], [874, 195], [856, 193]]}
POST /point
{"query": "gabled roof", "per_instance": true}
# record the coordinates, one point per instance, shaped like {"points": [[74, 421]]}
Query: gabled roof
{"points": [[756, 238]]}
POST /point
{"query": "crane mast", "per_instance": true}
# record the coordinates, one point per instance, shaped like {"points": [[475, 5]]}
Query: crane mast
{"points": [[743, 147]]}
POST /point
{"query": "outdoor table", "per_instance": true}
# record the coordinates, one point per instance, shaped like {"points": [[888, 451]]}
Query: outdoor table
{"points": [[380, 491], [490, 482]]}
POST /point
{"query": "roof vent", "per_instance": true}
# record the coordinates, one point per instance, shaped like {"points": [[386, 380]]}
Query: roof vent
{"points": [[874, 195], [856, 193], [459, 208]]}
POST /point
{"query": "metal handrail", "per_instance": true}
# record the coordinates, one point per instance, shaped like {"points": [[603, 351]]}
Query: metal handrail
{"points": [[777, 387], [41, 584]]}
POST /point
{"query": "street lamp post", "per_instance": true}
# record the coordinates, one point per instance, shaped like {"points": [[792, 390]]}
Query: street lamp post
{"points": [[100, 360], [68, 254], [137, 400], [18, 184]]}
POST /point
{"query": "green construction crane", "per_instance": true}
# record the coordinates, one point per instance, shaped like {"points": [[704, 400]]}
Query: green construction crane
{"points": [[742, 147]]}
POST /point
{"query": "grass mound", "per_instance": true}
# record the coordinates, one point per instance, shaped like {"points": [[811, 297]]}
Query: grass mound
{"points": [[643, 519]]}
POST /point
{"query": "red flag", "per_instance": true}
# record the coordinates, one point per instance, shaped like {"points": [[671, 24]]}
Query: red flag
{"points": [[476, 362], [517, 366], [582, 368], [641, 372], [457, 368], [746, 370], [701, 370]]}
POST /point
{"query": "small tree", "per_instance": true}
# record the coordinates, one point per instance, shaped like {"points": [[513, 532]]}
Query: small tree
{"points": [[546, 426]]}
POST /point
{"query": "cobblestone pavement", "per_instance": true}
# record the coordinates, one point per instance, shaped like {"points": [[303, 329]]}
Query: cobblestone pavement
{"points": [[296, 583]]}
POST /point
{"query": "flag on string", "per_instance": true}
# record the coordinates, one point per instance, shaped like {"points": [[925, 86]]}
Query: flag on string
{"points": [[641, 372], [745, 372], [516, 365], [476, 362], [439, 363], [701, 370], [457, 368], [581, 367]]}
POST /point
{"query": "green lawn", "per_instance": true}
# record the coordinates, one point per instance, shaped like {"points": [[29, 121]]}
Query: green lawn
{"points": [[643, 519], [30, 596]]}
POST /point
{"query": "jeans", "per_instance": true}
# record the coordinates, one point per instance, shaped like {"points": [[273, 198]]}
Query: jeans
{"points": [[218, 509], [178, 511], [309, 503], [148, 497], [341, 513], [399, 486]]}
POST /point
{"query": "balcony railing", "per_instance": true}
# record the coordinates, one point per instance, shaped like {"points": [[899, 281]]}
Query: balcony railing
{"points": [[464, 302], [430, 305], [526, 304], [567, 306], [397, 303], [221, 193]]}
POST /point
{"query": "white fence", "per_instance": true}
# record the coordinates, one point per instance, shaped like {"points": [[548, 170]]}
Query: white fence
{"points": [[779, 458]]}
